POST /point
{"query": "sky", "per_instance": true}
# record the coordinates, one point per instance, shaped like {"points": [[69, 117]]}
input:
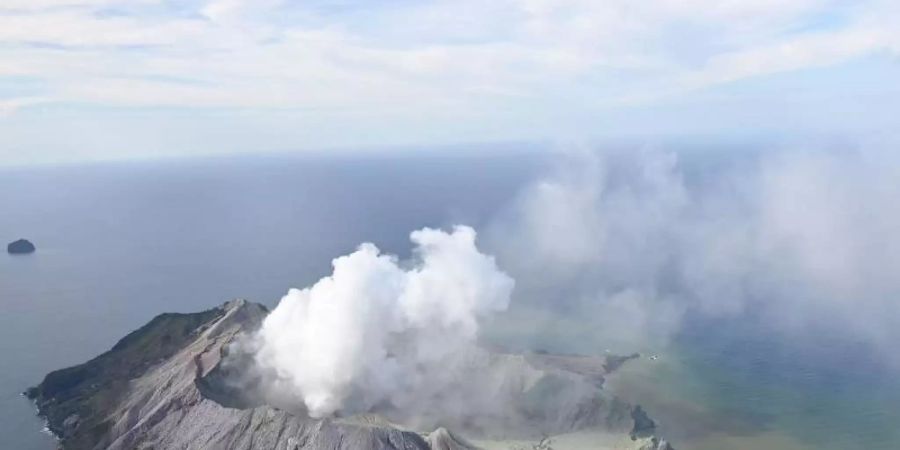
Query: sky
{"points": [[84, 80]]}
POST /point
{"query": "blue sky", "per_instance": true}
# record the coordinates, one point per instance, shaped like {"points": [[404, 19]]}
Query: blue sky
{"points": [[112, 79]]}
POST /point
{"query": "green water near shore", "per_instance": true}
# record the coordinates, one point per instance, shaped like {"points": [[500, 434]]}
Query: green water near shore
{"points": [[742, 384], [702, 404]]}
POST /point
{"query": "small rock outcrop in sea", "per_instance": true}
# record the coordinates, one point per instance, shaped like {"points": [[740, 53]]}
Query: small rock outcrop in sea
{"points": [[20, 247], [175, 383]]}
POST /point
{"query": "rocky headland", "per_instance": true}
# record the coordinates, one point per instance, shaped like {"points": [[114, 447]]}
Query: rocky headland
{"points": [[20, 247], [173, 384]]}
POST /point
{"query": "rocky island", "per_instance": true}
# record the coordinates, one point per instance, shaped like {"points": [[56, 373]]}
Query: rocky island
{"points": [[20, 247], [176, 383]]}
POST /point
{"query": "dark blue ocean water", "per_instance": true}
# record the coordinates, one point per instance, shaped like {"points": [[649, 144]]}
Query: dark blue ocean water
{"points": [[119, 243]]}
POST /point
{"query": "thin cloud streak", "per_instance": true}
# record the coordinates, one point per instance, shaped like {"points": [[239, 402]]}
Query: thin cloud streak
{"points": [[314, 59], [437, 72]]}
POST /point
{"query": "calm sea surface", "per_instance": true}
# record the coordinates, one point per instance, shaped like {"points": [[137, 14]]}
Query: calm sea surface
{"points": [[120, 243], [731, 387]]}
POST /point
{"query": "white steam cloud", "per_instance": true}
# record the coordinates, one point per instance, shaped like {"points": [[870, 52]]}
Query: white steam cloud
{"points": [[612, 250], [381, 333]]}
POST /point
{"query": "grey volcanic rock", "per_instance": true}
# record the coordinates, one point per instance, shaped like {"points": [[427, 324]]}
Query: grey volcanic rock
{"points": [[655, 443], [20, 247], [145, 394], [175, 383], [443, 439]]}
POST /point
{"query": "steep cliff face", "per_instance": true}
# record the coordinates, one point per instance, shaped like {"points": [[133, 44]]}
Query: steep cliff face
{"points": [[168, 385]]}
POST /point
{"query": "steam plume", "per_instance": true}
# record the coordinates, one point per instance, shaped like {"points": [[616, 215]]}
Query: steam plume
{"points": [[378, 333], [612, 250], [622, 246]]}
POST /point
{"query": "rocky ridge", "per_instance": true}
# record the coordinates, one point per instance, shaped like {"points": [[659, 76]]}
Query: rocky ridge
{"points": [[166, 386]]}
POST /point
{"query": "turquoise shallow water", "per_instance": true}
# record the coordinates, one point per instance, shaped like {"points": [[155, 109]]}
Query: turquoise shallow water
{"points": [[711, 392], [742, 384]]}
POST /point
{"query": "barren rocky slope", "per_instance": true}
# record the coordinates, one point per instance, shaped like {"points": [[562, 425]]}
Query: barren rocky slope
{"points": [[166, 386]]}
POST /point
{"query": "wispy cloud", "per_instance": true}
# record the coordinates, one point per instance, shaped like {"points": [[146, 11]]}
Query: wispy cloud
{"points": [[510, 60], [275, 54]]}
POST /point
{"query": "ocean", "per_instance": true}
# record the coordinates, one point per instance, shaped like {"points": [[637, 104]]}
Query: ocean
{"points": [[119, 243], [725, 388]]}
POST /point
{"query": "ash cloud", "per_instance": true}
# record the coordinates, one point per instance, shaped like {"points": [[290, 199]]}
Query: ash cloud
{"points": [[620, 247]]}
